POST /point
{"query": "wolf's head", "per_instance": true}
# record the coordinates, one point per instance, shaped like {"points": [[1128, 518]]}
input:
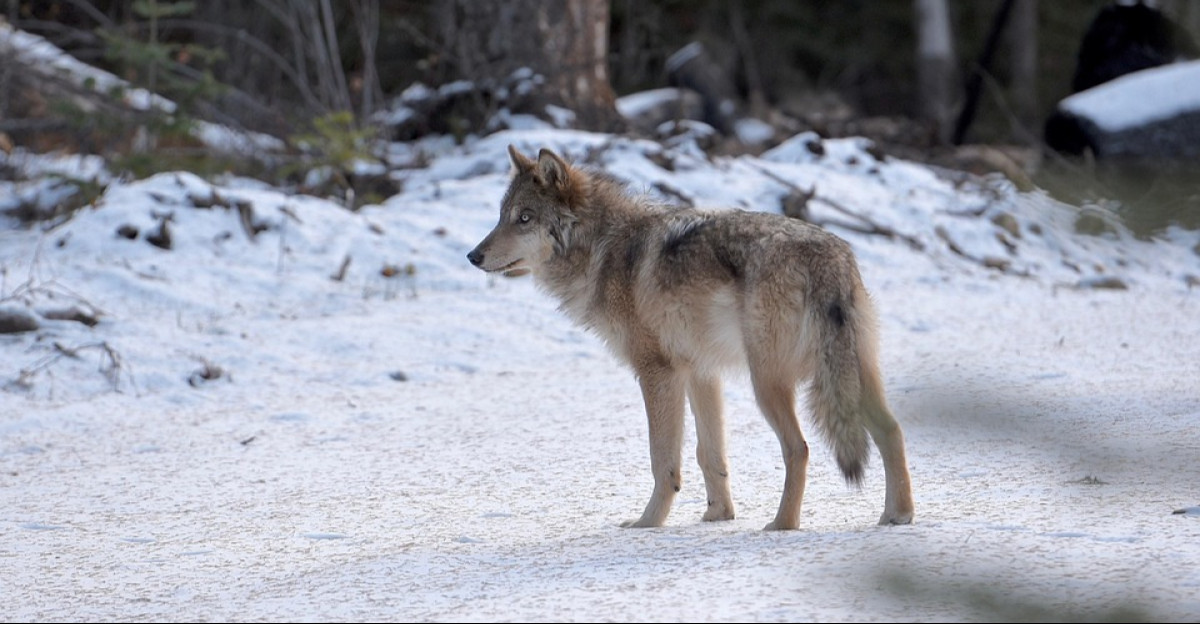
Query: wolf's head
{"points": [[536, 215]]}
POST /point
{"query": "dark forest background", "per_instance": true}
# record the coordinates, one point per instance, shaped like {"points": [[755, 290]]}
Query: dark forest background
{"points": [[299, 69], [288, 61]]}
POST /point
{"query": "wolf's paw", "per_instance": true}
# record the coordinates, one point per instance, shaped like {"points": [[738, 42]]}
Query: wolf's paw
{"points": [[775, 525], [640, 523], [896, 518], [717, 513]]}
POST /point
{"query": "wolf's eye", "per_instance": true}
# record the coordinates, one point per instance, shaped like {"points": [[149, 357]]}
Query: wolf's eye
{"points": [[524, 218]]}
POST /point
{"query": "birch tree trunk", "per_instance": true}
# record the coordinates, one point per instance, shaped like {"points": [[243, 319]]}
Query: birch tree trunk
{"points": [[935, 65]]}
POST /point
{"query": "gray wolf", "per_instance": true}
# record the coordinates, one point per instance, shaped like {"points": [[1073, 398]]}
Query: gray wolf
{"points": [[681, 295]]}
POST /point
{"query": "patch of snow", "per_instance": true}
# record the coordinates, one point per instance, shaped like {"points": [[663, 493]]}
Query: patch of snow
{"points": [[637, 104], [751, 131], [561, 117]]}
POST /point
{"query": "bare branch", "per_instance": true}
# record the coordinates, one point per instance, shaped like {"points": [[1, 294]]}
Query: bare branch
{"points": [[92, 12], [864, 225], [289, 71], [334, 56]]}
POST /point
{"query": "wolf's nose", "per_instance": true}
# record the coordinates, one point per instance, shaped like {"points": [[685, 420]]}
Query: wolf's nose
{"points": [[475, 257]]}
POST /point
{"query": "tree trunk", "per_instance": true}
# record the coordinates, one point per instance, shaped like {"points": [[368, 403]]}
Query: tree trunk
{"points": [[981, 70], [935, 65], [1023, 46], [564, 41]]}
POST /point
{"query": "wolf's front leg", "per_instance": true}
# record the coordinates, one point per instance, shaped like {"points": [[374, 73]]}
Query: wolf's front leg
{"points": [[663, 391], [704, 394]]}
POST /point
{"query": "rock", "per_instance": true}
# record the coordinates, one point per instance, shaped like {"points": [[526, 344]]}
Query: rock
{"points": [[15, 320], [999, 264], [73, 313], [795, 204], [161, 236], [1008, 223], [1108, 282], [1094, 223], [1143, 116]]}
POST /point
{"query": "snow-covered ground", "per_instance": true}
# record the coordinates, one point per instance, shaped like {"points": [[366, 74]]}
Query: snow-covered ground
{"points": [[301, 413]]}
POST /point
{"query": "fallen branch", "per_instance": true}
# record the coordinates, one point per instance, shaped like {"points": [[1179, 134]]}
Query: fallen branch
{"points": [[111, 364], [801, 197]]}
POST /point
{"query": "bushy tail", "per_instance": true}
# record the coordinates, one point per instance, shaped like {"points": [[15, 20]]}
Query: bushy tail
{"points": [[835, 395]]}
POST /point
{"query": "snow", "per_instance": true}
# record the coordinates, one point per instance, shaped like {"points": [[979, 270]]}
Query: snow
{"points": [[332, 416], [223, 138], [684, 55], [37, 52], [53, 61], [1139, 98], [562, 117], [751, 131], [637, 104]]}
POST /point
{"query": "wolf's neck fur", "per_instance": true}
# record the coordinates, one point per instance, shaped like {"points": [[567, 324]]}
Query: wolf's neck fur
{"points": [[606, 215]]}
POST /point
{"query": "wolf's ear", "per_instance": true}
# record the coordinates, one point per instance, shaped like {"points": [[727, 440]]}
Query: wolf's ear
{"points": [[553, 170], [518, 160]]}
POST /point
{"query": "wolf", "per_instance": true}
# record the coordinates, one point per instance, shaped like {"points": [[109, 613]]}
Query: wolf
{"points": [[681, 295]]}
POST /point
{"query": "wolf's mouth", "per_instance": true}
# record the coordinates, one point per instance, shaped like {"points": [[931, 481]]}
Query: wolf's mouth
{"points": [[508, 267]]}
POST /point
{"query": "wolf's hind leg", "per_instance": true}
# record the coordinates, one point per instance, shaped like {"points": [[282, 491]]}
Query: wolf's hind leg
{"points": [[663, 391], [777, 400], [704, 394], [885, 431]]}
